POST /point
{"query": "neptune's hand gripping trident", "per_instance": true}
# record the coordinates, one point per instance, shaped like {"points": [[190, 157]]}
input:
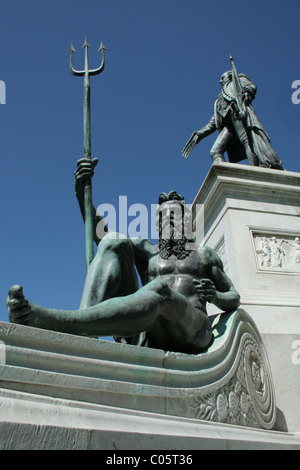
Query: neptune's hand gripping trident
{"points": [[88, 211]]}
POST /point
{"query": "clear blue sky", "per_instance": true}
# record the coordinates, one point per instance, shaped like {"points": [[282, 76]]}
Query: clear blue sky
{"points": [[163, 63]]}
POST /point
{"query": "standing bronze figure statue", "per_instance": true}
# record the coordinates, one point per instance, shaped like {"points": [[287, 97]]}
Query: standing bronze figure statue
{"points": [[241, 134]]}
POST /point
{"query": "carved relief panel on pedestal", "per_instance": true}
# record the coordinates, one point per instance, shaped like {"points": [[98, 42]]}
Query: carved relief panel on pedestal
{"points": [[277, 252]]}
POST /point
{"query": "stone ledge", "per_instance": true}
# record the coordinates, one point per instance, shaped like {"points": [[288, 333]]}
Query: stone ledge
{"points": [[229, 383], [34, 422]]}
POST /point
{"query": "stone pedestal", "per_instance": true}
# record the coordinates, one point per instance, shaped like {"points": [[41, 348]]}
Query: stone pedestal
{"points": [[36, 422], [59, 391], [250, 216]]}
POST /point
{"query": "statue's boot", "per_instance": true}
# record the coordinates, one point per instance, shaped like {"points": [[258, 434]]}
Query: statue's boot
{"points": [[218, 158]]}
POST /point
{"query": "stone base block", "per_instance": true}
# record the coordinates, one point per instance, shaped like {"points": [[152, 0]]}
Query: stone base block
{"points": [[229, 383], [35, 422]]}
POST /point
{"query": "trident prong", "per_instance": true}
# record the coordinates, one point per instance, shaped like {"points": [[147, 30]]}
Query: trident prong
{"points": [[88, 207], [86, 68], [72, 70]]}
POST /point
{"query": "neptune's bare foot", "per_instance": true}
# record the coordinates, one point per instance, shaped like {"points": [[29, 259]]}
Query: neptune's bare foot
{"points": [[19, 308]]}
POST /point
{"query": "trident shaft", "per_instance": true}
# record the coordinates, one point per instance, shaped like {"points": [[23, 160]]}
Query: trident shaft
{"points": [[88, 206]]}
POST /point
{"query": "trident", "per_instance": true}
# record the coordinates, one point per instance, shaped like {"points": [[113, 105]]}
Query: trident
{"points": [[88, 205]]}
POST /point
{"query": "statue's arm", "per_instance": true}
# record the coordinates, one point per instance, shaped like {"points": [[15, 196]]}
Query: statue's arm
{"points": [[197, 136], [227, 297], [143, 251], [85, 169], [217, 288], [207, 130]]}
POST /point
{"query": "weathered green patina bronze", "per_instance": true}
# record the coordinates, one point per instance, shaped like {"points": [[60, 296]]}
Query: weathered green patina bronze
{"points": [[178, 279], [87, 141], [240, 132]]}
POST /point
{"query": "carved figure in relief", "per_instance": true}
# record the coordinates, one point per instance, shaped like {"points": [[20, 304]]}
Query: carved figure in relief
{"points": [[270, 253], [264, 253], [296, 252], [277, 253]]}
